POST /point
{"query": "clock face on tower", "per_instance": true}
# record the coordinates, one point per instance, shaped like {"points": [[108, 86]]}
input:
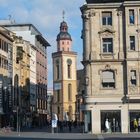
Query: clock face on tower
{"points": [[69, 61]]}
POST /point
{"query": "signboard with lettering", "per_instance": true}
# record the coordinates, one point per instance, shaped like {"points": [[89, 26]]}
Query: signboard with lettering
{"points": [[54, 123], [57, 86]]}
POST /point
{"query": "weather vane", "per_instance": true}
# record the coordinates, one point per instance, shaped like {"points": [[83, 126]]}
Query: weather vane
{"points": [[63, 15]]}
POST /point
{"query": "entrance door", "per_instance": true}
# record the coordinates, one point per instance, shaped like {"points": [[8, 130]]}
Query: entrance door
{"points": [[87, 122]]}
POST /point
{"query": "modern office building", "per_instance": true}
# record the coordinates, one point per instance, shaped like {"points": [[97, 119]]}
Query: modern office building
{"points": [[111, 60], [64, 76]]}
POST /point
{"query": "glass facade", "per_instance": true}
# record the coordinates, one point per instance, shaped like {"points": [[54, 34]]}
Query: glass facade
{"points": [[134, 121], [110, 121]]}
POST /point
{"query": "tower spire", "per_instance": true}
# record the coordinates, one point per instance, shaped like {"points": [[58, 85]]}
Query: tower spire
{"points": [[63, 15]]}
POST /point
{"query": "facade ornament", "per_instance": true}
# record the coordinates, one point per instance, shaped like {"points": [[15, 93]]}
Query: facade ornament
{"points": [[107, 67], [133, 90], [119, 13], [91, 14]]}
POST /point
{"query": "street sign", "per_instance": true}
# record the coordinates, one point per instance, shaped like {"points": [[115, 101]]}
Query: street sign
{"points": [[54, 123]]}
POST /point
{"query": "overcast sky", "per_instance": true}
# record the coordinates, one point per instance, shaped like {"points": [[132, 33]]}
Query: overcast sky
{"points": [[46, 15]]}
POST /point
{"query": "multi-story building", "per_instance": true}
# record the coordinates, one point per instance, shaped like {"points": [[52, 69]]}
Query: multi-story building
{"points": [[6, 46], [64, 76], [79, 96], [38, 64], [111, 51], [21, 80]]}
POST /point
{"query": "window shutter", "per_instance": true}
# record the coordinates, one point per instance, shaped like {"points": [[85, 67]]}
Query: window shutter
{"points": [[108, 77]]}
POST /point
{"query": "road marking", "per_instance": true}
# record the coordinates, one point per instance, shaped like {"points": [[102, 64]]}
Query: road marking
{"points": [[100, 137]]}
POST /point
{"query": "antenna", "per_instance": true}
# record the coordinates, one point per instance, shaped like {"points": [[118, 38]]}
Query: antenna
{"points": [[9, 17], [63, 13]]}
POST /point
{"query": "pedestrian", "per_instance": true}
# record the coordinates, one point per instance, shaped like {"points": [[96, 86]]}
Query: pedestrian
{"points": [[69, 125]]}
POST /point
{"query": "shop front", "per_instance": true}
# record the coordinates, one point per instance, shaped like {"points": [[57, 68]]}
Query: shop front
{"points": [[110, 121], [134, 120]]}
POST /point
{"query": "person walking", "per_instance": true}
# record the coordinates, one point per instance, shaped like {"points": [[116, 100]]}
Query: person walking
{"points": [[70, 125]]}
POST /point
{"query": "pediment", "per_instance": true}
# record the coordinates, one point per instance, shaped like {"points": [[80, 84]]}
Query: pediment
{"points": [[106, 31]]}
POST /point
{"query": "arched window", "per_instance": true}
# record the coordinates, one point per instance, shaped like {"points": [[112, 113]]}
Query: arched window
{"points": [[57, 69], [69, 92], [69, 62], [108, 79], [70, 112]]}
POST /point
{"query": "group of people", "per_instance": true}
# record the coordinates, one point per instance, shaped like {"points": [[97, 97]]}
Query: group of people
{"points": [[67, 124]]}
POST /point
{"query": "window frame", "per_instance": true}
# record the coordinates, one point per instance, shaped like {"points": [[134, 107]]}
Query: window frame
{"points": [[133, 81], [106, 49], [107, 20], [69, 92], [131, 15], [132, 42]]}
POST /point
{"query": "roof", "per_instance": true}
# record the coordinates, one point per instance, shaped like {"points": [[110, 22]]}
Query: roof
{"points": [[28, 26], [4, 32], [107, 1]]}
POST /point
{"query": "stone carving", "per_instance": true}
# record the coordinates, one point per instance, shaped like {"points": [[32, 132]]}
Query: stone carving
{"points": [[133, 90]]}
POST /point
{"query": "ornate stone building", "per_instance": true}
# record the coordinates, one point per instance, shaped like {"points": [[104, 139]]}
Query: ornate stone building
{"points": [[111, 59], [37, 72], [64, 76]]}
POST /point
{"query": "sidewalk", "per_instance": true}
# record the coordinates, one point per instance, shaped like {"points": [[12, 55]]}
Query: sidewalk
{"points": [[48, 135]]}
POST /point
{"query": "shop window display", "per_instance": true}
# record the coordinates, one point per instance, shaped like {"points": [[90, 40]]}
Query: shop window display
{"points": [[134, 121], [110, 121]]}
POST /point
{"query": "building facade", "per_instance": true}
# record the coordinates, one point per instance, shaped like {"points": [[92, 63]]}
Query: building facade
{"points": [[6, 71], [64, 76], [21, 83], [38, 69], [111, 48]]}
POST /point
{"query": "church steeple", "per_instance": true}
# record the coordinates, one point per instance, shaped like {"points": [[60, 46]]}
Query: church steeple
{"points": [[63, 38]]}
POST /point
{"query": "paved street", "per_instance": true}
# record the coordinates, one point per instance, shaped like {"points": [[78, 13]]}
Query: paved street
{"points": [[45, 133], [65, 136]]}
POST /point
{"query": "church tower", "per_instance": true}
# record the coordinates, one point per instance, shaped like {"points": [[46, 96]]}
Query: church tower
{"points": [[64, 76]]}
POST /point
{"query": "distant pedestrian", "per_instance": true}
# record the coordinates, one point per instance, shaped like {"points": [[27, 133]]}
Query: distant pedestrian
{"points": [[69, 125]]}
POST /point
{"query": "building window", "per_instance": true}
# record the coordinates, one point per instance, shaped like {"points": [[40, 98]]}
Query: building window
{"points": [[58, 95], [108, 79], [133, 77], [58, 110], [139, 16], [132, 43], [70, 112], [57, 69], [107, 45], [69, 92], [131, 16], [134, 121], [69, 62], [106, 18], [0, 43], [110, 121]]}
